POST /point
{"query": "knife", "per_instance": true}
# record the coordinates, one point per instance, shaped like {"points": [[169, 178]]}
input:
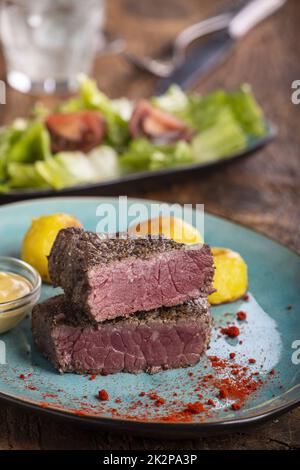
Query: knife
{"points": [[202, 59]]}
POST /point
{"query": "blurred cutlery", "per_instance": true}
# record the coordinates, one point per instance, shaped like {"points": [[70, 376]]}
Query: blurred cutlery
{"points": [[203, 58]]}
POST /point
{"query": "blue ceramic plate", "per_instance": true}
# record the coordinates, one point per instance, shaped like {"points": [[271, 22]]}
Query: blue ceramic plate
{"points": [[269, 336]]}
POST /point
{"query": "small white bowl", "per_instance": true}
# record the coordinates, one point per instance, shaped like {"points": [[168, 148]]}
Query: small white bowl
{"points": [[13, 311]]}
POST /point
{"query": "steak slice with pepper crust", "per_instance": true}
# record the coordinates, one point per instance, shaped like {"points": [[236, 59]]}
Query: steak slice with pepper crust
{"points": [[161, 339], [108, 278]]}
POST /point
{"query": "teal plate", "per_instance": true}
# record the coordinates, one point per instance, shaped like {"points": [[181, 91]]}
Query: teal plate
{"points": [[270, 335]]}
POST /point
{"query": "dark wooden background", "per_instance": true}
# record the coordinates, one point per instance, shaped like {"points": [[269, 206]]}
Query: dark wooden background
{"points": [[261, 192]]}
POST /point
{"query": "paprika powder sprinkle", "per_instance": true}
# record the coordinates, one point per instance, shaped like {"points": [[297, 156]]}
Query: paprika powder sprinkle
{"points": [[210, 402], [231, 331], [31, 387], [49, 395], [235, 406], [103, 395], [223, 393], [160, 402], [241, 316], [195, 408]]}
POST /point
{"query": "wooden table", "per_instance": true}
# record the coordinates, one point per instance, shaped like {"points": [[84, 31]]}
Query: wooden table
{"points": [[262, 192]]}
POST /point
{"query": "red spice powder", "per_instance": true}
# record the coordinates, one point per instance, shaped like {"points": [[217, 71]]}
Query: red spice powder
{"points": [[160, 402], [80, 413], [142, 394], [31, 387], [238, 389], [217, 362], [44, 405], [210, 402], [235, 406], [240, 386], [195, 408], [223, 393], [252, 361], [103, 395], [241, 316], [231, 331], [178, 417]]}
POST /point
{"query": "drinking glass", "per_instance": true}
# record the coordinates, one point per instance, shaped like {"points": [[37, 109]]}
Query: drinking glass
{"points": [[47, 43]]}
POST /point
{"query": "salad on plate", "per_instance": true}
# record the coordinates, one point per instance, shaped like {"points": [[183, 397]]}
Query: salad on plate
{"points": [[91, 138]]}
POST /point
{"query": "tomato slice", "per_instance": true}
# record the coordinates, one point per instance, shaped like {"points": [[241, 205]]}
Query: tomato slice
{"points": [[157, 125], [82, 130]]}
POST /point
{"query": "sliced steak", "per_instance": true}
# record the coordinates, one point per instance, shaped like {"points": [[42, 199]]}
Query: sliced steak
{"points": [[161, 339], [108, 278]]}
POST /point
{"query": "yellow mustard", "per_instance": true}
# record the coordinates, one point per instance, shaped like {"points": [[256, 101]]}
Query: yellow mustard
{"points": [[13, 286]]}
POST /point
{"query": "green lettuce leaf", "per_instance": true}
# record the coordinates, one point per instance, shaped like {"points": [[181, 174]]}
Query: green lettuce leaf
{"points": [[202, 112], [224, 138], [174, 101], [247, 112], [25, 175], [9, 135], [142, 155], [31, 145]]}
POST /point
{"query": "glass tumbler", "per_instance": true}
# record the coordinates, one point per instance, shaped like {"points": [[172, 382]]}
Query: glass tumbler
{"points": [[47, 43]]}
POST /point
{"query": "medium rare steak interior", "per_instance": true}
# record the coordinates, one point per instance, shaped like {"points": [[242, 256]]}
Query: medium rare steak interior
{"points": [[161, 339], [108, 278]]}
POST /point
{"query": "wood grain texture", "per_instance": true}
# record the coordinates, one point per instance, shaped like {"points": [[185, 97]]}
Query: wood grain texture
{"points": [[262, 192]]}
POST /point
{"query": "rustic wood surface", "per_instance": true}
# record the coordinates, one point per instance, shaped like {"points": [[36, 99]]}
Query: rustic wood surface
{"points": [[261, 192]]}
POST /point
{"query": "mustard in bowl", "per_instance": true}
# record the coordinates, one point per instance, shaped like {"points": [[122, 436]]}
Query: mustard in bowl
{"points": [[20, 288]]}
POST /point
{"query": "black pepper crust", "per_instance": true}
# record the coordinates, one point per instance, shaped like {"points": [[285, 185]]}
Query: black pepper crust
{"points": [[58, 310], [87, 249]]}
